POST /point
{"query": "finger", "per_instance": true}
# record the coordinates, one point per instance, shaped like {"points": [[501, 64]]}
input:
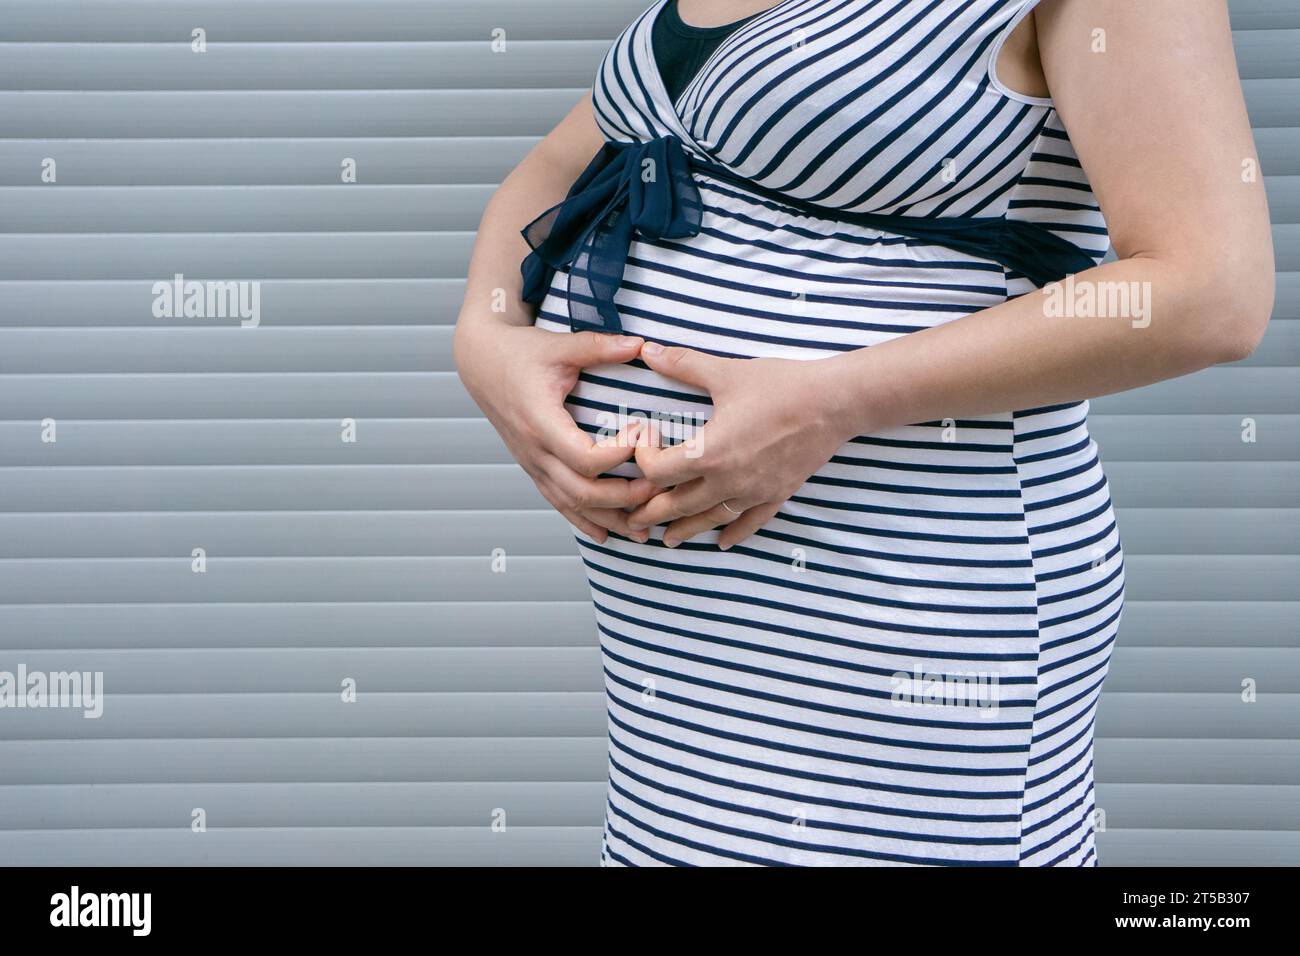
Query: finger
{"points": [[610, 451], [683, 529], [641, 491], [596, 522], [692, 498], [674, 465], [557, 433], [552, 496], [585, 494], [615, 520], [686, 365], [627, 440], [585, 525], [747, 524], [638, 492], [584, 349]]}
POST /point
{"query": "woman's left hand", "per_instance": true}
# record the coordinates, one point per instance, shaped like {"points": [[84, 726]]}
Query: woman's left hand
{"points": [[774, 423]]}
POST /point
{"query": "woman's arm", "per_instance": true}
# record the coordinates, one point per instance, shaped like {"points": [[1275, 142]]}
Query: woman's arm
{"points": [[520, 375], [1160, 127], [537, 183]]}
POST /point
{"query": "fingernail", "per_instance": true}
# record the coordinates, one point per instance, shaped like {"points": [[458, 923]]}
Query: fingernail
{"points": [[641, 537], [652, 348], [671, 542], [627, 341], [724, 547]]}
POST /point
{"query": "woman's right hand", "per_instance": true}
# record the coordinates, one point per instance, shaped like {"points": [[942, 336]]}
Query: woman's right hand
{"points": [[520, 376]]}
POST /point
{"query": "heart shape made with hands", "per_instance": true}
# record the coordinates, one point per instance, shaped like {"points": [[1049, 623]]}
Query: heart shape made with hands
{"points": [[768, 434]]}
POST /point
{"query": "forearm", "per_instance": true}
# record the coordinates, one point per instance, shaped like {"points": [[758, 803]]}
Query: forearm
{"points": [[494, 286], [1023, 354]]}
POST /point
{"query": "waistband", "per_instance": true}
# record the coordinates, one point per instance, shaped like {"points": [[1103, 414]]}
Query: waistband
{"points": [[649, 188]]}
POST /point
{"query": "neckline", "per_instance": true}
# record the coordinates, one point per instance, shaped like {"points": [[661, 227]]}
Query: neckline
{"points": [[673, 21], [656, 76]]}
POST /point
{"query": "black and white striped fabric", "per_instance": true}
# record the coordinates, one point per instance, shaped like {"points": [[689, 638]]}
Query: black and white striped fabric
{"points": [[903, 667]]}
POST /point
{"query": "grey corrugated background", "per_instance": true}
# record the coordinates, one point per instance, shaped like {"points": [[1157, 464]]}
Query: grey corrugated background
{"points": [[371, 560]]}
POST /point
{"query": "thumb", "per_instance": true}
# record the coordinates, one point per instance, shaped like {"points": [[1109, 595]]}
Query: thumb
{"points": [[584, 349], [685, 365]]}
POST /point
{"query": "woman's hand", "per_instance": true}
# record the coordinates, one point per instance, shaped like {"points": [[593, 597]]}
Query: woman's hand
{"points": [[775, 422], [520, 376]]}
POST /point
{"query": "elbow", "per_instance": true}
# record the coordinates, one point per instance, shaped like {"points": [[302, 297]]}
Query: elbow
{"points": [[1240, 345], [1243, 320], [1211, 300], [1232, 308], [458, 347], [461, 348]]}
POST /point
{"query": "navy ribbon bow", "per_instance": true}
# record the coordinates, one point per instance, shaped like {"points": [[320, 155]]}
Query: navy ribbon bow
{"points": [[649, 188], [642, 187]]}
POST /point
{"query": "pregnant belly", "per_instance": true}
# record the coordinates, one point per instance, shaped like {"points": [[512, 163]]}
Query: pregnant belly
{"points": [[931, 515]]}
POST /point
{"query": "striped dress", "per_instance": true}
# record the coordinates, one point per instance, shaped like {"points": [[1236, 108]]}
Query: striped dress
{"points": [[903, 667]]}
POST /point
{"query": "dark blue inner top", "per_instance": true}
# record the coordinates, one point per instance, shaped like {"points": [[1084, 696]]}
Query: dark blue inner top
{"points": [[681, 49]]}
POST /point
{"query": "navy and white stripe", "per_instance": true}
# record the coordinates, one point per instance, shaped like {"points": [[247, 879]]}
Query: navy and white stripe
{"points": [[752, 715]]}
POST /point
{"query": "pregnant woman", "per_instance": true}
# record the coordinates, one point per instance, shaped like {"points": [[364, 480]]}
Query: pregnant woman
{"points": [[863, 615]]}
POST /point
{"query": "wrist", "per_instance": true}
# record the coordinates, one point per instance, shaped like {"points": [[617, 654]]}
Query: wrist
{"points": [[475, 346], [848, 405]]}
